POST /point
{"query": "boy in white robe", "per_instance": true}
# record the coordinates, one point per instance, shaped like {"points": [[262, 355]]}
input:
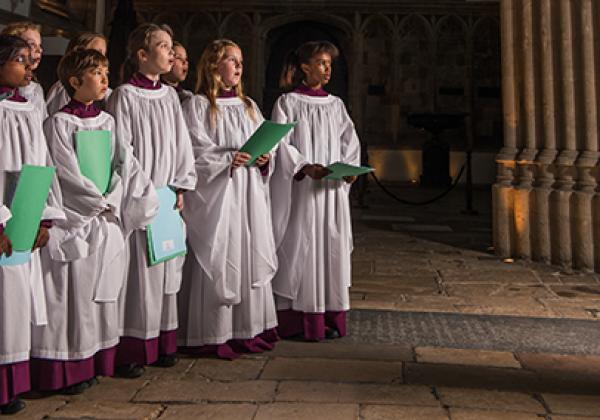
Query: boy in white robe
{"points": [[149, 117], [85, 267], [313, 227]]}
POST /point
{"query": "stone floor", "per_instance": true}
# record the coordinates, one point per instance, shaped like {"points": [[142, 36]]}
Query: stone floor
{"points": [[414, 260]]}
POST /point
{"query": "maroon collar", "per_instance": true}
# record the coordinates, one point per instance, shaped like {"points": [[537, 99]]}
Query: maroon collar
{"points": [[81, 110], [16, 96], [302, 89], [227, 93], [141, 81]]}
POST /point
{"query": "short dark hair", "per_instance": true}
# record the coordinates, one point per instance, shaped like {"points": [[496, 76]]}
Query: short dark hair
{"points": [[75, 63], [292, 75], [10, 46]]}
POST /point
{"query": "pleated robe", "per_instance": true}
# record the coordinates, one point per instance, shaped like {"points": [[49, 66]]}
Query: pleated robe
{"points": [[22, 300], [84, 269], [35, 94], [312, 223], [226, 292], [152, 122]]}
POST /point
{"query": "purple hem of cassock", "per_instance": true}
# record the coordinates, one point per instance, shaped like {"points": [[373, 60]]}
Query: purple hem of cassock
{"points": [[233, 349], [14, 380], [311, 325], [138, 351], [50, 375]]}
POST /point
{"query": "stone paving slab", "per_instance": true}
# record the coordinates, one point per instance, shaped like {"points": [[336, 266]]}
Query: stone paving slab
{"points": [[397, 412], [304, 411], [490, 400], [469, 357], [39, 408], [328, 392], [210, 412], [329, 370], [471, 414], [583, 405], [243, 369], [343, 349], [192, 391], [107, 410]]}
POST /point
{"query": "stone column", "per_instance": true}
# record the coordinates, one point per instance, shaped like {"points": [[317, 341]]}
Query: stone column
{"points": [[524, 188], [355, 96], [562, 244], [544, 176], [502, 194], [583, 243]]}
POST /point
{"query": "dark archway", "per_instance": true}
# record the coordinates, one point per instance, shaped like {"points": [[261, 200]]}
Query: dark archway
{"points": [[282, 40]]}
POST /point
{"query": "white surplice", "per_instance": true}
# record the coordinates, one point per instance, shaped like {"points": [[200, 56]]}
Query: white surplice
{"points": [[226, 291], [85, 267], [312, 223], [58, 97], [151, 121], [22, 300], [34, 93]]}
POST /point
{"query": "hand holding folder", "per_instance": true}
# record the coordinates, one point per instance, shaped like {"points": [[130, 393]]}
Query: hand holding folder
{"points": [[264, 139], [28, 202], [341, 170]]}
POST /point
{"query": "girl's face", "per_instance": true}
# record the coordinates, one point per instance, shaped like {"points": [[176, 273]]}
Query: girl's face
{"points": [[98, 44], [92, 86], [34, 39], [180, 66], [231, 67], [318, 70], [17, 72], [159, 57]]}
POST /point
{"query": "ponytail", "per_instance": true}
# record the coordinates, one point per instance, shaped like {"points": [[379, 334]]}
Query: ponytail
{"points": [[139, 39], [292, 75]]}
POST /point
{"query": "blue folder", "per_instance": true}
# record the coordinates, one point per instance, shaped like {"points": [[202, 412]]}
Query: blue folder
{"points": [[166, 233], [17, 258]]}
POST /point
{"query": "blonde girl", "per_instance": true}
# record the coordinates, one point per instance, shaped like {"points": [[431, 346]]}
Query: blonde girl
{"points": [[226, 305]]}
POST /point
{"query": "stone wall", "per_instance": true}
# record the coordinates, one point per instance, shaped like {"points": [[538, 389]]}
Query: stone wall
{"points": [[399, 56], [546, 205]]}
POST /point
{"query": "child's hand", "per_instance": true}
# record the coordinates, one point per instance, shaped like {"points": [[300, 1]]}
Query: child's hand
{"points": [[350, 179], [316, 171], [179, 201], [5, 245], [262, 160], [42, 238], [239, 159]]}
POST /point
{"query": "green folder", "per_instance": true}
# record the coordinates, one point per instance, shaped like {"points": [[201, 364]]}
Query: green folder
{"points": [[165, 235], [94, 157], [339, 170], [264, 139], [6, 95], [28, 204]]}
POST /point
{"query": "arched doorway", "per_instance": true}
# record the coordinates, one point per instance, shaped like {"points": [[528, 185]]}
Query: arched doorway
{"points": [[283, 39]]}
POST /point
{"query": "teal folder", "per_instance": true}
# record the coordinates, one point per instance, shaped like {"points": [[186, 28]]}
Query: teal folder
{"points": [[27, 205], [339, 170], [94, 157], [166, 233], [264, 139]]}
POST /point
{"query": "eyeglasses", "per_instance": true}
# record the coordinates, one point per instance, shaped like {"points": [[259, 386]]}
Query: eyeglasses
{"points": [[22, 59], [35, 47]]}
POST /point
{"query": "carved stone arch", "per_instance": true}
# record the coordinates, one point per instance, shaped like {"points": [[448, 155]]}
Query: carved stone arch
{"points": [[409, 23], [322, 18], [199, 30], [377, 17], [451, 64], [173, 20], [238, 27]]}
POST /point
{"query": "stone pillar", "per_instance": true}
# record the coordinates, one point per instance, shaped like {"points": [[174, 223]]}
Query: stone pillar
{"points": [[355, 96], [583, 251], [524, 188], [502, 191], [562, 252], [544, 175]]}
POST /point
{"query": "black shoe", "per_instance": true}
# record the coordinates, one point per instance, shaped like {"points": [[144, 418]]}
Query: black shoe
{"points": [[75, 389], [12, 407], [130, 371], [93, 381], [331, 333], [166, 360]]}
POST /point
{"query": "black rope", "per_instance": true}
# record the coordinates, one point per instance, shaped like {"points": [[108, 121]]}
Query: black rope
{"points": [[421, 203]]}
